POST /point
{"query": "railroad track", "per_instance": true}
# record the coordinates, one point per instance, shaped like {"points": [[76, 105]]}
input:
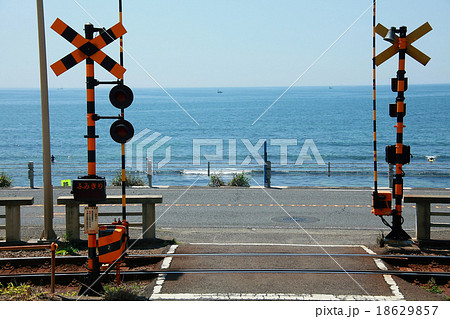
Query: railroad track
{"points": [[44, 277]]}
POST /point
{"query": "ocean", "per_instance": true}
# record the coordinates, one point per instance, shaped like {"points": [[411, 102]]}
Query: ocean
{"points": [[316, 136]]}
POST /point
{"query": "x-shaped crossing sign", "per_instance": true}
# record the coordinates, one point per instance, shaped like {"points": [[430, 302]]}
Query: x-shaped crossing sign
{"points": [[88, 48], [410, 50]]}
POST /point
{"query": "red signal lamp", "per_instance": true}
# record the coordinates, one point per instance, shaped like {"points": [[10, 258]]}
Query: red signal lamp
{"points": [[121, 96], [121, 131]]}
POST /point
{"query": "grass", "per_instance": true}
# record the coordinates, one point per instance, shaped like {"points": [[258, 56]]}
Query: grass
{"points": [[240, 180], [129, 180], [216, 181], [431, 286], [5, 180], [66, 248], [14, 291], [114, 292]]}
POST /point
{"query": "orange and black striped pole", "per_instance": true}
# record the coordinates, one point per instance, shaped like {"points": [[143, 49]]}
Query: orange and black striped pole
{"points": [[93, 264], [374, 86], [122, 145], [397, 232]]}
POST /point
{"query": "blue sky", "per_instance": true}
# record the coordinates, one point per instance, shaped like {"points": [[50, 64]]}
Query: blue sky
{"points": [[232, 43]]}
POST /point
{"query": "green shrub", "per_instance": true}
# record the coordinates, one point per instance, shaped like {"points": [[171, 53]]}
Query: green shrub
{"points": [[120, 293], [216, 181], [240, 180], [129, 180], [5, 180]]}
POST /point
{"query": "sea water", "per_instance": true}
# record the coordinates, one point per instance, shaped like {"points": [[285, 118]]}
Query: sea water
{"points": [[316, 136]]}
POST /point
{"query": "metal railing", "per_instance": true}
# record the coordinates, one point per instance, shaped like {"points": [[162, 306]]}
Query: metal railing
{"points": [[24, 174]]}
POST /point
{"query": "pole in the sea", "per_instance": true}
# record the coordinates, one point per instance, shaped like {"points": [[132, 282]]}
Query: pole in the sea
{"points": [[267, 168]]}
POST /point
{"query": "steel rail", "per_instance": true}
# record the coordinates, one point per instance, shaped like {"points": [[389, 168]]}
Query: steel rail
{"points": [[151, 273], [293, 255], [290, 271], [137, 257]]}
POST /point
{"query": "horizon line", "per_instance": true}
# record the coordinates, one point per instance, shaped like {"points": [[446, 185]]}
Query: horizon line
{"points": [[225, 87]]}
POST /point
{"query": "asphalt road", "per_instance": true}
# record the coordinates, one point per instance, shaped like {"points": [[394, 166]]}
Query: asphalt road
{"points": [[245, 210]]}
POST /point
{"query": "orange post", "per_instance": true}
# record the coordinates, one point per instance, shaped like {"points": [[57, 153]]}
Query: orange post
{"points": [[53, 248]]}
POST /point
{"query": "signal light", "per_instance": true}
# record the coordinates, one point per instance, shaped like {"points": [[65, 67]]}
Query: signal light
{"points": [[393, 109], [121, 96], [121, 131], [394, 84], [391, 155]]}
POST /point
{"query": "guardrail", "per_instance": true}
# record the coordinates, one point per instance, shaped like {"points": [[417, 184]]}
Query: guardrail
{"points": [[24, 174]]}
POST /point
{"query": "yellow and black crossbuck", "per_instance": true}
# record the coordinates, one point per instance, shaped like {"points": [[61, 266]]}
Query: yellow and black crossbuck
{"points": [[88, 48]]}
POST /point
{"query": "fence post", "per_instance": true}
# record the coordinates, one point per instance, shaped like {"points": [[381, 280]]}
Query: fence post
{"points": [[149, 172], [267, 168], [12, 221], [329, 169], [148, 221], [423, 220], [73, 221], [209, 168], [31, 174], [267, 173]]}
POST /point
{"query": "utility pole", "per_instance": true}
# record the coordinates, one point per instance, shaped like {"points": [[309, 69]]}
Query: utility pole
{"points": [[48, 232]]}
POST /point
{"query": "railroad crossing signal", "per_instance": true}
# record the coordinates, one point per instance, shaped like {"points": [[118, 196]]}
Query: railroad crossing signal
{"points": [[397, 154], [88, 48], [410, 50]]}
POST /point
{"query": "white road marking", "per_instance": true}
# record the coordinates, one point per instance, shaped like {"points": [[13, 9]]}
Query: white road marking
{"points": [[387, 278], [272, 296], [162, 277]]}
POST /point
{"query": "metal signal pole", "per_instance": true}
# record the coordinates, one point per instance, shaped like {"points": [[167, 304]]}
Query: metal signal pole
{"points": [[122, 145], [397, 232], [94, 286], [374, 86]]}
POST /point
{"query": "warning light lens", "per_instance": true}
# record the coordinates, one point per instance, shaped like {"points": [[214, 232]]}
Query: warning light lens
{"points": [[121, 96], [121, 131]]}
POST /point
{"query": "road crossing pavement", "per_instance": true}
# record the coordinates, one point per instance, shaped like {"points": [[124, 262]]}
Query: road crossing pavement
{"points": [[273, 286]]}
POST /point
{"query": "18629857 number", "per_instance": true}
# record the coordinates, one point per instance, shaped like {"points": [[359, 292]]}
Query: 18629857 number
{"points": [[406, 310]]}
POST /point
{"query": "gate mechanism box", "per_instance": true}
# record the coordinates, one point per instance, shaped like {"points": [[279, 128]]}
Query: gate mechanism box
{"points": [[111, 243]]}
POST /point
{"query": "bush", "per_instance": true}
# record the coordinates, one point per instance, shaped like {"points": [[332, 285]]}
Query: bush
{"points": [[129, 180], [5, 180], [240, 180], [216, 181], [66, 247], [120, 293]]}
